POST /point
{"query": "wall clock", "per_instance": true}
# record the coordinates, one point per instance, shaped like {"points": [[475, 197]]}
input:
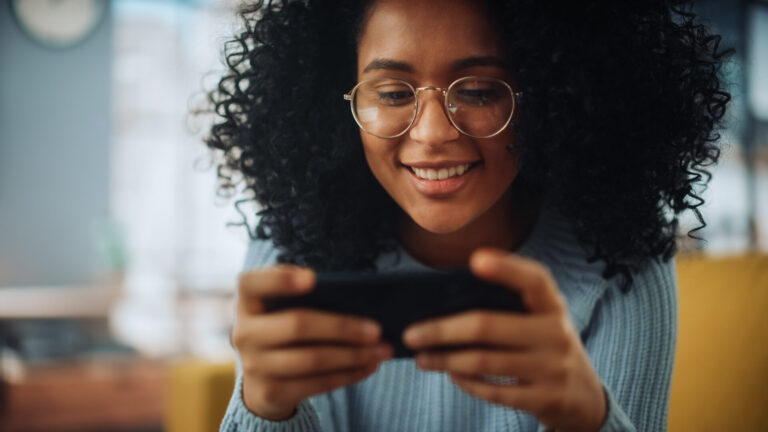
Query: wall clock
{"points": [[58, 23]]}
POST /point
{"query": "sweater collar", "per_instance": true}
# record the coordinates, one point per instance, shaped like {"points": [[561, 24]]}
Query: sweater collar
{"points": [[553, 242]]}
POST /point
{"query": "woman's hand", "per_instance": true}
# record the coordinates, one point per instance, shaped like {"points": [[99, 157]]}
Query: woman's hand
{"points": [[541, 350], [292, 354]]}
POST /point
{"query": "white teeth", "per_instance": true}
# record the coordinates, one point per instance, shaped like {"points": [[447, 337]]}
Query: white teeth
{"points": [[442, 173]]}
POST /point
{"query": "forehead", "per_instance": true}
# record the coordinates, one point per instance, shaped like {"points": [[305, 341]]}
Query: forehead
{"points": [[428, 34]]}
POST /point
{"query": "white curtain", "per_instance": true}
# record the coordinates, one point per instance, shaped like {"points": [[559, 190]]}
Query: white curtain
{"points": [[177, 243]]}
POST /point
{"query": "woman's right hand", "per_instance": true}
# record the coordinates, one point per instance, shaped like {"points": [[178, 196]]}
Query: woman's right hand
{"points": [[292, 354]]}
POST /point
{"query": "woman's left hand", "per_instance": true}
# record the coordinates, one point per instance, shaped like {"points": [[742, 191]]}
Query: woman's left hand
{"points": [[541, 349]]}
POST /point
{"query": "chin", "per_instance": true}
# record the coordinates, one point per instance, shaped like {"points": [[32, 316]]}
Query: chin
{"points": [[440, 225]]}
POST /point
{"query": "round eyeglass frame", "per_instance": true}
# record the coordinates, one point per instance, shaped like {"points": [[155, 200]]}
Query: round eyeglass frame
{"points": [[350, 96]]}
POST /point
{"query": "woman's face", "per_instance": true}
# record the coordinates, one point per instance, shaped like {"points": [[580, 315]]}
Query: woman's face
{"points": [[432, 43]]}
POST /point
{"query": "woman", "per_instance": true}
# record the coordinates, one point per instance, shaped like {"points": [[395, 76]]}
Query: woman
{"points": [[548, 149]]}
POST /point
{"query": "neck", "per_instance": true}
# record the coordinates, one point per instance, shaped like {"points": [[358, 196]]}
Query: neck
{"points": [[505, 225]]}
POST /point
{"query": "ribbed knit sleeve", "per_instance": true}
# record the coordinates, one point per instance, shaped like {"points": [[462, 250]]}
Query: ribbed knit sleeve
{"points": [[238, 418], [631, 343]]}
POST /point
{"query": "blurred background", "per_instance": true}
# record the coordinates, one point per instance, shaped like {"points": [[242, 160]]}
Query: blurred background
{"points": [[117, 261]]}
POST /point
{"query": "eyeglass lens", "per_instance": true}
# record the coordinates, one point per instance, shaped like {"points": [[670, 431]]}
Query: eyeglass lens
{"points": [[479, 107]]}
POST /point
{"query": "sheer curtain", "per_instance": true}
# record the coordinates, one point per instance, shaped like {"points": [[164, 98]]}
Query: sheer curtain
{"points": [[164, 201]]}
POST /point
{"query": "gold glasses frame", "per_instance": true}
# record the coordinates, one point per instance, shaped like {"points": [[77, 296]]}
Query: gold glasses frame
{"points": [[350, 96]]}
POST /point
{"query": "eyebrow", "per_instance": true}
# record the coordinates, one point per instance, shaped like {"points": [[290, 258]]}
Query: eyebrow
{"points": [[465, 63], [388, 64]]}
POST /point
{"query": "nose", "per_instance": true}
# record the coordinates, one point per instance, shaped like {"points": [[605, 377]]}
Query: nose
{"points": [[432, 125]]}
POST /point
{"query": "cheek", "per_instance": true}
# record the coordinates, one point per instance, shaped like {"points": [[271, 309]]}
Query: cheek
{"points": [[502, 164], [378, 156], [505, 167]]}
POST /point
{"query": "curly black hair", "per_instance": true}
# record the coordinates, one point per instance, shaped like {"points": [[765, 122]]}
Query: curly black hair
{"points": [[622, 105]]}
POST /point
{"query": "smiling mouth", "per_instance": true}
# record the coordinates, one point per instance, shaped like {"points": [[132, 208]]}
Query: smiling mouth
{"points": [[442, 173]]}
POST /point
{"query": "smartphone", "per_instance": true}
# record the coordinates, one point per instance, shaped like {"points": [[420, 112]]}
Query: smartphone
{"points": [[396, 300]]}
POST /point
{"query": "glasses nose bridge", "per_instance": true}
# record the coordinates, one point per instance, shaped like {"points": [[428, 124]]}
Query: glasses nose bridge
{"points": [[442, 90]]}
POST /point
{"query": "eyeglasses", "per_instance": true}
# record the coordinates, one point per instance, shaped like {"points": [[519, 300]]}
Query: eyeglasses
{"points": [[480, 107]]}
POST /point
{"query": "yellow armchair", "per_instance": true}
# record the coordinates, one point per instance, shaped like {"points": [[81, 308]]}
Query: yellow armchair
{"points": [[198, 396], [720, 381]]}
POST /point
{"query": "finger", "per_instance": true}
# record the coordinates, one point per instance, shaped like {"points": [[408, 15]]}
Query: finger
{"points": [[530, 398], [310, 361], [530, 278], [502, 329], [303, 325], [487, 362], [280, 280]]}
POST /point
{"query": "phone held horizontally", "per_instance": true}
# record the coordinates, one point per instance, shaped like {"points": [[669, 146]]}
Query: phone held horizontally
{"points": [[396, 300]]}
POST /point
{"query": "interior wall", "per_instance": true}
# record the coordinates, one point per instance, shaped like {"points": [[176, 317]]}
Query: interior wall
{"points": [[54, 154]]}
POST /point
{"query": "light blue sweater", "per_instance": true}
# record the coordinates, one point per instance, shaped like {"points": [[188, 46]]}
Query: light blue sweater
{"points": [[630, 339]]}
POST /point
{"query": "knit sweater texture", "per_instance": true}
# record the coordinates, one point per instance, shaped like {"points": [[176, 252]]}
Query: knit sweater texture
{"points": [[630, 339]]}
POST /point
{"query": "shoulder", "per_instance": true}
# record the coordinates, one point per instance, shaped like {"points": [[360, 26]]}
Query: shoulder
{"points": [[646, 315], [554, 243], [261, 253], [656, 277], [653, 296], [654, 288]]}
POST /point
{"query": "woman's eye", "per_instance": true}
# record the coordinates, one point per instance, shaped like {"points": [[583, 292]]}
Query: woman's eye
{"points": [[401, 97], [477, 96]]}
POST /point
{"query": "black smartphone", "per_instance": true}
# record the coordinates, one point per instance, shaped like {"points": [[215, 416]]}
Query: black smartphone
{"points": [[396, 300]]}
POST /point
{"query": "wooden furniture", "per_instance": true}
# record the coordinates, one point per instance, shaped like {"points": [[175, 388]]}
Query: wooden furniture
{"points": [[105, 394]]}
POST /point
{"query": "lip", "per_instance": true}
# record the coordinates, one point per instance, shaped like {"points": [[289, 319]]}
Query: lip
{"points": [[441, 188], [438, 165]]}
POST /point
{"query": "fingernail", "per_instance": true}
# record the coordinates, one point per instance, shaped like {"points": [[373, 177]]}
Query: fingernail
{"points": [[303, 280], [485, 259], [414, 335], [370, 329]]}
